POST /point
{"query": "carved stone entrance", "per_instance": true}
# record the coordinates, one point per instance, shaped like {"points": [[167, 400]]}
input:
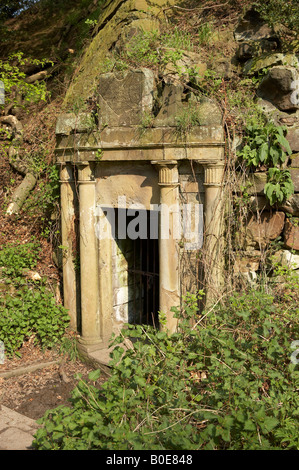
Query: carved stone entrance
{"points": [[136, 272], [120, 168]]}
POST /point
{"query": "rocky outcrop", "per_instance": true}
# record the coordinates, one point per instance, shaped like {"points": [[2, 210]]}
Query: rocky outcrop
{"points": [[278, 87], [265, 227], [119, 21], [291, 234]]}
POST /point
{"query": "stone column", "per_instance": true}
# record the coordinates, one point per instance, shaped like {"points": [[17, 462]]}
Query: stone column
{"points": [[90, 316], [68, 241], [105, 279], [213, 231], [169, 227]]}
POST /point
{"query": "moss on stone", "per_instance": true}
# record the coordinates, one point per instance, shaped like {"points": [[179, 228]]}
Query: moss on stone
{"points": [[118, 17]]}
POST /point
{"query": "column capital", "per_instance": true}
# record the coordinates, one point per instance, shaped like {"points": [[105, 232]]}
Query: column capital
{"points": [[168, 172], [85, 173], [214, 173], [66, 173]]}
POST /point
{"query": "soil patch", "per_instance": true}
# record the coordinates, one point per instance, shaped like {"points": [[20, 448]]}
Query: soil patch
{"points": [[34, 393]]}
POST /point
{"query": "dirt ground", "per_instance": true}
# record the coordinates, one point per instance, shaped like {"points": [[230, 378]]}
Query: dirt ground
{"points": [[32, 394]]}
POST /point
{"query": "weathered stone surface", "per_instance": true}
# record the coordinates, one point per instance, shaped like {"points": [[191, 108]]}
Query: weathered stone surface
{"points": [[261, 203], [288, 120], [291, 206], [125, 97], [248, 262], [286, 258], [68, 123], [249, 49], [253, 27], [266, 227], [295, 177], [291, 234], [258, 203], [117, 18], [277, 87], [294, 159], [256, 64], [223, 67], [173, 73], [207, 111], [257, 183], [171, 106], [293, 138]]}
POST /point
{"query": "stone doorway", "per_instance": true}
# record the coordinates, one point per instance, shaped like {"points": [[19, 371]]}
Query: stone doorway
{"points": [[120, 165]]}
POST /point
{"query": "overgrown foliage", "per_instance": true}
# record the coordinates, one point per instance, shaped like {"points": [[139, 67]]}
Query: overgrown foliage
{"points": [[225, 383], [15, 85], [151, 49], [10, 8], [266, 146], [279, 186], [279, 12]]}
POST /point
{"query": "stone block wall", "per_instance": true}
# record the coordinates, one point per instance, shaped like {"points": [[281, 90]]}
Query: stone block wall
{"points": [[122, 282], [277, 97]]}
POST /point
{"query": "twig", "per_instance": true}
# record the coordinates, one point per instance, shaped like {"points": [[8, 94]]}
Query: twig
{"points": [[143, 421], [171, 426], [221, 362], [211, 309], [184, 417]]}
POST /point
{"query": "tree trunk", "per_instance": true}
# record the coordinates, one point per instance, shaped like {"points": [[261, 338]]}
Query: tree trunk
{"points": [[20, 194]]}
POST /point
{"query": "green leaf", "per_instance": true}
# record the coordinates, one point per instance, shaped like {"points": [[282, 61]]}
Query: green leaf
{"points": [[249, 425], [269, 424], [263, 152], [94, 375], [285, 143]]}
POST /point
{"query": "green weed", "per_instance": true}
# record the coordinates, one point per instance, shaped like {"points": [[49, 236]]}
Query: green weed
{"points": [[225, 383]]}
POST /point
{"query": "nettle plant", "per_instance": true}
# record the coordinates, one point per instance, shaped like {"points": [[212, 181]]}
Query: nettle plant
{"points": [[27, 308], [279, 185], [267, 147], [223, 381]]}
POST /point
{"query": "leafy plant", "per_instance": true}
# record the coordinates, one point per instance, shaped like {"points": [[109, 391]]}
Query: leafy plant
{"points": [[152, 48], [279, 12], [279, 186], [13, 78], [147, 120], [187, 119], [177, 39], [15, 258], [45, 199], [265, 145], [27, 309], [204, 33], [211, 83], [31, 312]]}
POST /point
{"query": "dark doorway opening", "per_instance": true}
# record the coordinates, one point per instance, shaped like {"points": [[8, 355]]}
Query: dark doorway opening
{"points": [[143, 268]]}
